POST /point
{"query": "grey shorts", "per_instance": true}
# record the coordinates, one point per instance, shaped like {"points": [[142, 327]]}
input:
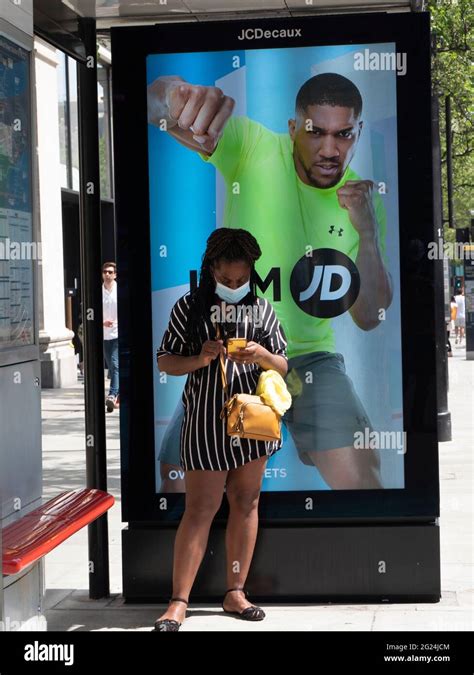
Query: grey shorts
{"points": [[326, 411], [325, 414]]}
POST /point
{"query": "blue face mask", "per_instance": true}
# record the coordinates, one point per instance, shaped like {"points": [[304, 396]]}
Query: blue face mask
{"points": [[232, 295]]}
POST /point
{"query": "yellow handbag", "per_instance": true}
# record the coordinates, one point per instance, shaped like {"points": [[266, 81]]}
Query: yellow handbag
{"points": [[247, 415]]}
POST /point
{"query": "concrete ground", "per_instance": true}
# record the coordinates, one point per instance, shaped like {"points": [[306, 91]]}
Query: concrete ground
{"points": [[68, 607]]}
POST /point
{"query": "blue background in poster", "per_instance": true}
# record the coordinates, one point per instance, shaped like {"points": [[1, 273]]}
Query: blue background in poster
{"points": [[186, 203]]}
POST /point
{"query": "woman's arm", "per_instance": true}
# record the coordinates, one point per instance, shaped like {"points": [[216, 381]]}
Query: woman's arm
{"points": [[269, 361], [175, 364], [255, 353]]}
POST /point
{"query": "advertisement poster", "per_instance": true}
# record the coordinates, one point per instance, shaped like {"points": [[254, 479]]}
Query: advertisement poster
{"points": [[307, 123], [16, 247]]}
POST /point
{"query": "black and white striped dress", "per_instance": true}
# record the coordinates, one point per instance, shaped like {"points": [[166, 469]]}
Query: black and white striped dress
{"points": [[205, 444]]}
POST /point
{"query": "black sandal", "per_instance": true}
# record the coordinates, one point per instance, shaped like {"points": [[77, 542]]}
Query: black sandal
{"points": [[251, 613], [169, 625]]}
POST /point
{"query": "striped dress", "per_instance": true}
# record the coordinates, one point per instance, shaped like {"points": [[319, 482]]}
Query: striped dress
{"points": [[204, 443]]}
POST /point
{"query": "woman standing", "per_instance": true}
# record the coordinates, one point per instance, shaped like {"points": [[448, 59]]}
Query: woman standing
{"points": [[210, 458]]}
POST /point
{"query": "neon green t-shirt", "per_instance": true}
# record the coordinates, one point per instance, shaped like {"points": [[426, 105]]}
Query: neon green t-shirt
{"points": [[266, 197]]}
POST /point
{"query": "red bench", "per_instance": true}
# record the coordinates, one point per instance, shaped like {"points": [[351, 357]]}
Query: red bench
{"points": [[28, 539]]}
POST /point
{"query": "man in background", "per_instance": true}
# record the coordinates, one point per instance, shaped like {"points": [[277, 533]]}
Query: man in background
{"points": [[460, 320], [110, 323]]}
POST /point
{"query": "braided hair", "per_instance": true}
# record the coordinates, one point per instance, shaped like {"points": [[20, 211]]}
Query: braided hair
{"points": [[224, 244]]}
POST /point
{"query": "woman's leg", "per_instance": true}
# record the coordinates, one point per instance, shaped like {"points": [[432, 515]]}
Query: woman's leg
{"points": [[204, 490], [243, 493]]}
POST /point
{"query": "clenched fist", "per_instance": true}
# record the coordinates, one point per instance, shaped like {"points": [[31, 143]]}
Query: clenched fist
{"points": [[356, 197], [203, 111]]}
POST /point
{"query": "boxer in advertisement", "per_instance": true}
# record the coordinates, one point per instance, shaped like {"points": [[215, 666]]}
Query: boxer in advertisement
{"points": [[321, 228]]}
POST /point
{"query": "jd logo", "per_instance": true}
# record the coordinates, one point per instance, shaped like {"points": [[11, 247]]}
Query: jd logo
{"points": [[325, 284]]}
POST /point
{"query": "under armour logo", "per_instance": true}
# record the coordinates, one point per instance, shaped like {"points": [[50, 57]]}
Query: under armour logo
{"points": [[339, 232], [331, 229]]}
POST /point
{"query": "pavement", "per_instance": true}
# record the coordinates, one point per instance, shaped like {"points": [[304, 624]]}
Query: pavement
{"points": [[68, 607]]}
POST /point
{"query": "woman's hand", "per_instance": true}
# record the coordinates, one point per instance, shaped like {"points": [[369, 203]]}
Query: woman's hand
{"points": [[253, 353], [210, 350]]}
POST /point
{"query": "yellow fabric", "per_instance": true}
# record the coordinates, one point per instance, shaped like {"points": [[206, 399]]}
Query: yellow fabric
{"points": [[272, 389], [294, 383]]}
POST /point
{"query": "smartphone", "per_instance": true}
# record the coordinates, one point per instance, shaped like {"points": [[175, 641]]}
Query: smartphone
{"points": [[234, 344]]}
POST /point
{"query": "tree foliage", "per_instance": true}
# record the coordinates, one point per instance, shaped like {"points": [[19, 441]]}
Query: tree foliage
{"points": [[452, 22]]}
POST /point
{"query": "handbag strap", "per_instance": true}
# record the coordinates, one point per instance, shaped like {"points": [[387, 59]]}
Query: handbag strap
{"points": [[222, 365]]}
